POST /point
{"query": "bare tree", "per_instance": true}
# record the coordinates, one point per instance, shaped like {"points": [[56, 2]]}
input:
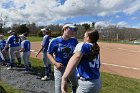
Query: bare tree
{"points": [[3, 20]]}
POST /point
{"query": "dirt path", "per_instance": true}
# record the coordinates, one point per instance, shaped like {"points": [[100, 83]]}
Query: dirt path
{"points": [[121, 59]]}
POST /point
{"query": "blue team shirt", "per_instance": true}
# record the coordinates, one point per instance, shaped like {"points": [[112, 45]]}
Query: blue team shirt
{"points": [[12, 41], [45, 42], [63, 49], [26, 45], [87, 68], [2, 44]]}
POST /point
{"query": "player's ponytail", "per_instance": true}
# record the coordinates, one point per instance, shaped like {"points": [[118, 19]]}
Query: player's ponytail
{"points": [[93, 38], [16, 35]]}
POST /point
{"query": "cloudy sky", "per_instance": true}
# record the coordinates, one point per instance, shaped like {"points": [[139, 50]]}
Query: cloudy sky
{"points": [[44, 12]]}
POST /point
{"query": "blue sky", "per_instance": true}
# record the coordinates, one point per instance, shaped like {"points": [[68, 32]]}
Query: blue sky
{"points": [[43, 12]]}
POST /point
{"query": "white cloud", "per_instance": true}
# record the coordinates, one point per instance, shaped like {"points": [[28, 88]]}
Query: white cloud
{"points": [[134, 18], [48, 11], [102, 24], [122, 24]]}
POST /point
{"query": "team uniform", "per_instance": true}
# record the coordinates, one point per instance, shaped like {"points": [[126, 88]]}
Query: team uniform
{"points": [[13, 46], [25, 44], [88, 70], [5, 54], [47, 64], [63, 50]]}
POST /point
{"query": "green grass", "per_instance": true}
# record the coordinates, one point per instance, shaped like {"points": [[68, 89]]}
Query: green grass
{"points": [[110, 83], [6, 88], [31, 38], [34, 39], [118, 84]]}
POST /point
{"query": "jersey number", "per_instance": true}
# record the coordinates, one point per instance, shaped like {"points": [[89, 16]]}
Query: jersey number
{"points": [[95, 63]]}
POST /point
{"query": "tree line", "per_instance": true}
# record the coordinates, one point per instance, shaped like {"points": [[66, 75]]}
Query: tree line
{"points": [[112, 32]]}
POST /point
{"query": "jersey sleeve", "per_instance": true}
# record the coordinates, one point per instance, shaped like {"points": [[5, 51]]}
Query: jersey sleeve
{"points": [[51, 47], [45, 39], [8, 41], [78, 47], [22, 44]]}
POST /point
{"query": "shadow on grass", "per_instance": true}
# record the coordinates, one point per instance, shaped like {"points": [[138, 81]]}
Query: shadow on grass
{"points": [[2, 90]]}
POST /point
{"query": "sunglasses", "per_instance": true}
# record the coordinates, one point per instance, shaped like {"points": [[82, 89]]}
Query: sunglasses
{"points": [[73, 29]]}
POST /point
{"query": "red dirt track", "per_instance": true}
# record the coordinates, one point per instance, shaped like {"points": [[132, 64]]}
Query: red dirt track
{"points": [[120, 59]]}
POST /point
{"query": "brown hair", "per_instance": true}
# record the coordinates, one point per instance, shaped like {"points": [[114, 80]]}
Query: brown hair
{"points": [[16, 35], [93, 38]]}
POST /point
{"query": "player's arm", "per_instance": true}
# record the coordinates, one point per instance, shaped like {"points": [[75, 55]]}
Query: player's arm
{"points": [[22, 47], [6, 46], [40, 50], [72, 64], [42, 46], [21, 50], [7, 43]]}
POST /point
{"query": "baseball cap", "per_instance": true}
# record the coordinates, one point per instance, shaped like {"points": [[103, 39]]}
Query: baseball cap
{"points": [[23, 35], [45, 29], [70, 26], [10, 31]]}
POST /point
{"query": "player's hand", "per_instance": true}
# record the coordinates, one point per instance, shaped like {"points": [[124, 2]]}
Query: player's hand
{"points": [[36, 55], [59, 65], [64, 86], [15, 52]]}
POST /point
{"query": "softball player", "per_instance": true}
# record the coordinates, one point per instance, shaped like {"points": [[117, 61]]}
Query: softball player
{"points": [[5, 54], [45, 43], [63, 47], [87, 60], [25, 49], [13, 42]]}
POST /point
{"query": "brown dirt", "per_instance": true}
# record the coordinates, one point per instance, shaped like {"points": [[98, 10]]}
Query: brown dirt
{"points": [[116, 54]]}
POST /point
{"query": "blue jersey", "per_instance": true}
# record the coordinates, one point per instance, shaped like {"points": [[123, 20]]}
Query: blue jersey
{"points": [[45, 42], [26, 45], [2, 44], [63, 49], [12, 41], [87, 68]]}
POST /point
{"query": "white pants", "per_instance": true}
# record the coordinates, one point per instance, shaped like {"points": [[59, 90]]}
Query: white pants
{"points": [[89, 86]]}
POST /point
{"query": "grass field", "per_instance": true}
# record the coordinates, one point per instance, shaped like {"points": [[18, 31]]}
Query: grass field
{"points": [[36, 38], [31, 38], [110, 83], [5, 88]]}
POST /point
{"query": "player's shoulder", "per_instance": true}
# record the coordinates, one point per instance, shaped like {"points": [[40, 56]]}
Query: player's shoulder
{"points": [[12, 36], [86, 44], [54, 40], [27, 41], [73, 38], [80, 44], [46, 36]]}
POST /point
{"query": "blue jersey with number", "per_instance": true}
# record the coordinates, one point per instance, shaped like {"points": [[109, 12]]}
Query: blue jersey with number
{"points": [[12, 41], [87, 68], [45, 42], [25, 44], [63, 49]]}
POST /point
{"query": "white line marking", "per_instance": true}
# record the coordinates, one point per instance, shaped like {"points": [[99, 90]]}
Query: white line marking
{"points": [[35, 52], [32, 50], [134, 68], [129, 50]]}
